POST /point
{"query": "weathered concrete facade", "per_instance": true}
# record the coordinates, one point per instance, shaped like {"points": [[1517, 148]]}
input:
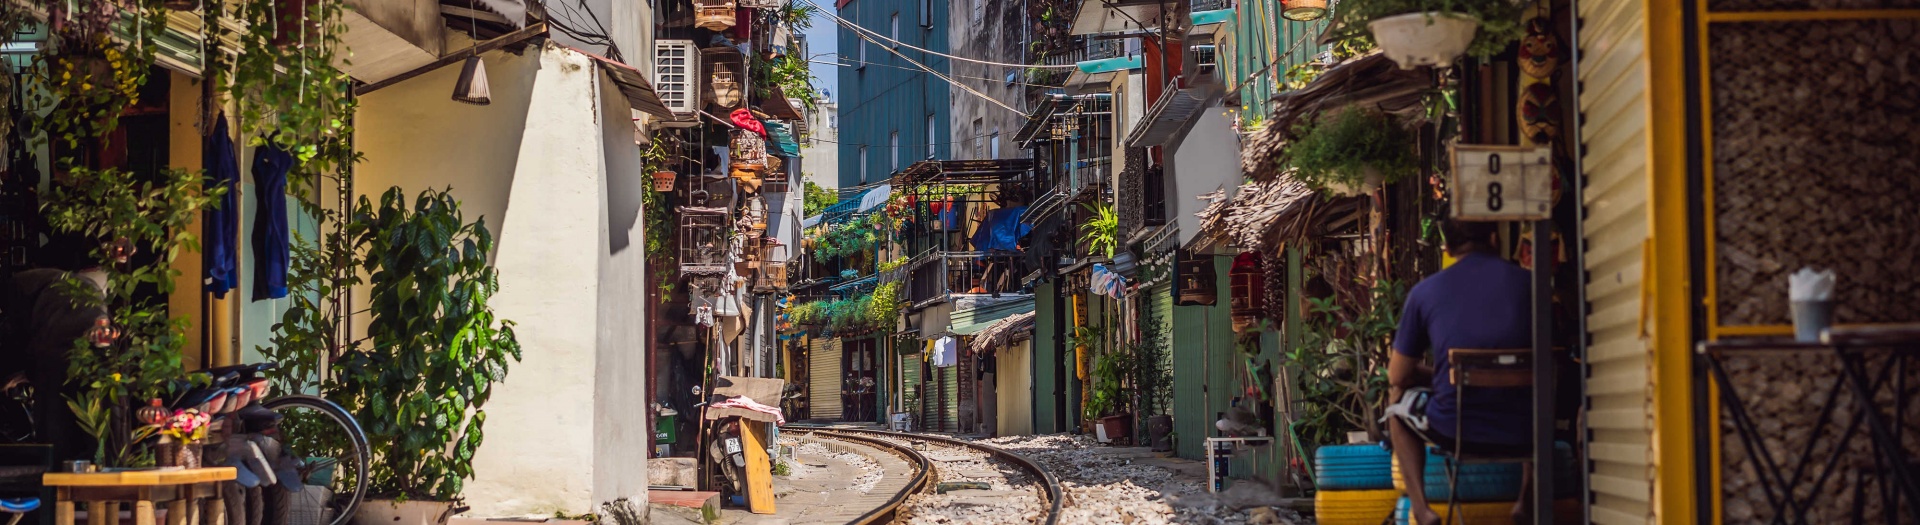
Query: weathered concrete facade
{"points": [[552, 167], [993, 31]]}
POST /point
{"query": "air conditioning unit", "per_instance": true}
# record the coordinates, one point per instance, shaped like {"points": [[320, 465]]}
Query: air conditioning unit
{"points": [[676, 76]]}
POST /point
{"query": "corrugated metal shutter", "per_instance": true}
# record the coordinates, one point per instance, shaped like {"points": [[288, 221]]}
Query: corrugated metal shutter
{"points": [[950, 399], [910, 381], [1613, 72], [823, 378]]}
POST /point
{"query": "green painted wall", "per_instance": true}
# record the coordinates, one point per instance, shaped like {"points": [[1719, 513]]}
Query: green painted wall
{"points": [[1046, 359], [1209, 374]]}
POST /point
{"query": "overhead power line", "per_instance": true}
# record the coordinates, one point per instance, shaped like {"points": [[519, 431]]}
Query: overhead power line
{"points": [[896, 52], [859, 29], [856, 63]]}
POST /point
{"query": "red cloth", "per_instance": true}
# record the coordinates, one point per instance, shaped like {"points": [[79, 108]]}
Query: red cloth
{"points": [[743, 118]]}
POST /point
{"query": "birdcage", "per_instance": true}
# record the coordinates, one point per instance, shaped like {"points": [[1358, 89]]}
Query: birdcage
{"points": [[1248, 288], [1194, 279], [713, 15], [704, 247]]}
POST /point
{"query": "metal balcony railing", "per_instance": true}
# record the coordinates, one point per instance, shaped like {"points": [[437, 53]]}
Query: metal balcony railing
{"points": [[1090, 175], [1211, 5]]}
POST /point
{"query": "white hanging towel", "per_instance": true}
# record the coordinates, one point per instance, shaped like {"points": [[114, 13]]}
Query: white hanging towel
{"points": [[946, 352]]}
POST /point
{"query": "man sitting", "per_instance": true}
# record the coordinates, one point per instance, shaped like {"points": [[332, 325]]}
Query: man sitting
{"points": [[1479, 302]]}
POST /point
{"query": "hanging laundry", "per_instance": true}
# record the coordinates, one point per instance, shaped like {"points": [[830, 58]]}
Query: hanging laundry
{"points": [[270, 235], [222, 227]]}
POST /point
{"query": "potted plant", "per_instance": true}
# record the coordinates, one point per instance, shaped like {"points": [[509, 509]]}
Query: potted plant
{"points": [[1352, 151], [433, 353], [1100, 233], [1435, 32]]}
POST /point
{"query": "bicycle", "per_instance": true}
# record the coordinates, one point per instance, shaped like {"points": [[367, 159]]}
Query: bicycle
{"points": [[316, 438]]}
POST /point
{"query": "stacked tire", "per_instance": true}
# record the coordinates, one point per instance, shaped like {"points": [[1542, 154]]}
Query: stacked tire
{"points": [[1486, 491], [1354, 485]]}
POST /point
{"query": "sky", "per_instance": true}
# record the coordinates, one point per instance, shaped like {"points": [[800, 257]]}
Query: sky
{"points": [[823, 38]]}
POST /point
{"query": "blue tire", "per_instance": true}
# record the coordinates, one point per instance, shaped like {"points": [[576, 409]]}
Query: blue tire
{"points": [[1353, 467]]}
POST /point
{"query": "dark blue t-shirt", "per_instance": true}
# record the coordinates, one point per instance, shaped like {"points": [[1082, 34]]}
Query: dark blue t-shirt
{"points": [[1480, 302]]}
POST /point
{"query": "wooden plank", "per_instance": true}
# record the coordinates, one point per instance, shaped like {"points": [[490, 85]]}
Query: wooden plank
{"points": [[753, 438], [145, 478]]}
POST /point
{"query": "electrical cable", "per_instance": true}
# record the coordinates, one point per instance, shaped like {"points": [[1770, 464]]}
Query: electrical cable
{"points": [[843, 21], [896, 52], [960, 142], [912, 69]]}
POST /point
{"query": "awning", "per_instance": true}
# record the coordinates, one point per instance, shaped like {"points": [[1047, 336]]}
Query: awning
{"points": [[1202, 19], [1038, 119], [975, 320], [1013, 329], [639, 92], [868, 200], [1168, 118], [1115, 16], [780, 141], [1100, 72]]}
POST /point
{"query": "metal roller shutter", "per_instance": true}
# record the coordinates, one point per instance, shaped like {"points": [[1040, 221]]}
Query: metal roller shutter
{"points": [[823, 378]]}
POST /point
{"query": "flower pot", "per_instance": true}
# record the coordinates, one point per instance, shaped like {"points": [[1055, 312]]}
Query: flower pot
{"points": [[663, 180], [411, 512], [1303, 10], [175, 454], [1370, 180], [1115, 428], [1432, 38]]}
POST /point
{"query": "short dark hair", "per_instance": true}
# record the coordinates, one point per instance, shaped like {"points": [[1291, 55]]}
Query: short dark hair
{"points": [[1461, 234]]}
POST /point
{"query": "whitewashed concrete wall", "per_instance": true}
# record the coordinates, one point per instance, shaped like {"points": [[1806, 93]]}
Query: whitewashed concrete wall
{"points": [[552, 168]]}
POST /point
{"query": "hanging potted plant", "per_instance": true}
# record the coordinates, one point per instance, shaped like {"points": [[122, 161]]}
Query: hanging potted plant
{"points": [[663, 180], [1435, 32], [434, 352], [1352, 151]]}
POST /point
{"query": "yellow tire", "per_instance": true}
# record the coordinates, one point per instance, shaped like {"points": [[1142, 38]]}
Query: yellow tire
{"points": [[1354, 507], [1566, 510]]}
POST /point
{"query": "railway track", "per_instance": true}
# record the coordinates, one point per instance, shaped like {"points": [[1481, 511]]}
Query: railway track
{"points": [[1016, 489]]}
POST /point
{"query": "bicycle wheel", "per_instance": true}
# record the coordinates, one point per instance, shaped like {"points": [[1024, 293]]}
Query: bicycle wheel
{"points": [[333, 453]]}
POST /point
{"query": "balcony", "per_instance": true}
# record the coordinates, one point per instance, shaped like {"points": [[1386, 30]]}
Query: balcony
{"points": [[1089, 178], [1211, 5]]}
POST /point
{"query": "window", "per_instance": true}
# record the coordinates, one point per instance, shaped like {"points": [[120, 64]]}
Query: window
{"points": [[926, 14], [860, 44], [893, 149], [863, 164], [933, 138], [893, 30], [979, 147], [993, 142], [979, 10]]}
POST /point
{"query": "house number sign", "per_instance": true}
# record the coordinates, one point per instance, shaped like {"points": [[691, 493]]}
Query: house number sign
{"points": [[1502, 183]]}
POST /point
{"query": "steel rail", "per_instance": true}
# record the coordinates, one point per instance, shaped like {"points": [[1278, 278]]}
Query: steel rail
{"points": [[924, 469], [1051, 483]]}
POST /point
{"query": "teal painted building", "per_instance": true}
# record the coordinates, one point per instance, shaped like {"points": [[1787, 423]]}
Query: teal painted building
{"points": [[892, 113]]}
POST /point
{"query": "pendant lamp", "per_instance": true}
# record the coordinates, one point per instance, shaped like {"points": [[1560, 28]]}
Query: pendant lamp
{"points": [[1303, 10], [472, 87]]}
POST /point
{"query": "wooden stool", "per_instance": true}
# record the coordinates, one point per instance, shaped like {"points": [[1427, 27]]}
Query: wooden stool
{"points": [[185, 493]]}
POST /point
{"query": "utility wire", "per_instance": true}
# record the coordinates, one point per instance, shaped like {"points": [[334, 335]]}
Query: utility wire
{"points": [[859, 29], [896, 52], [856, 62], [959, 142]]}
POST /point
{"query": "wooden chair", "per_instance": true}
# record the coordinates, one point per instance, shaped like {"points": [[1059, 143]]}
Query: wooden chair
{"points": [[1483, 368]]}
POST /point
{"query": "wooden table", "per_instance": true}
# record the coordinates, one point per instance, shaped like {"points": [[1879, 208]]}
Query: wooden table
{"points": [[181, 490]]}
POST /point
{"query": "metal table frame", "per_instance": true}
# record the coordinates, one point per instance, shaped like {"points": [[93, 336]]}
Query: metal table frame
{"points": [[1850, 345]]}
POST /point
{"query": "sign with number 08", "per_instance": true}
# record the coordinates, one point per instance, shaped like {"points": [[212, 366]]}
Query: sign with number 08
{"points": [[1502, 183]]}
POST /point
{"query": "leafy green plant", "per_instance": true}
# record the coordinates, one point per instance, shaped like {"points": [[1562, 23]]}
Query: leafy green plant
{"points": [[1339, 149], [123, 213], [659, 216], [1340, 363], [1500, 20], [788, 72], [1100, 234], [818, 198], [435, 349]]}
